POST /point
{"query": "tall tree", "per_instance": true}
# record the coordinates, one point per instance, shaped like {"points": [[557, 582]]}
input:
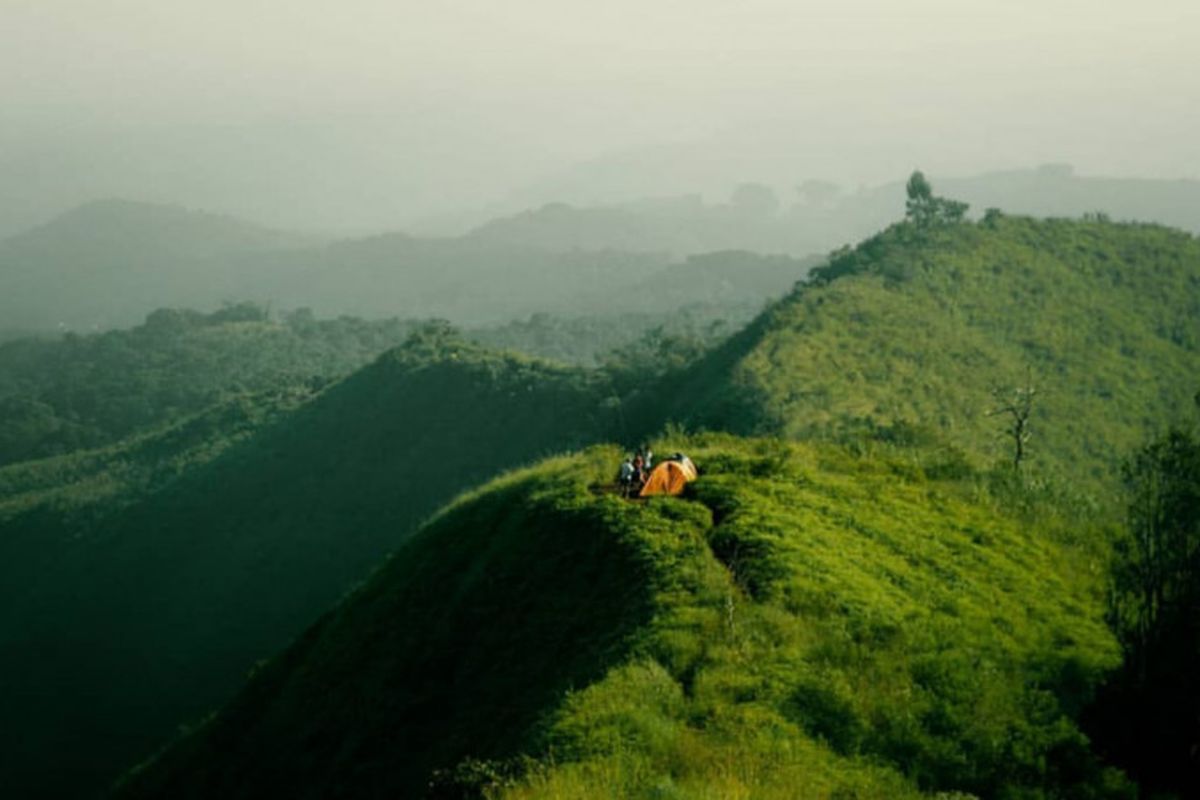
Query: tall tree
{"points": [[1149, 715], [924, 208]]}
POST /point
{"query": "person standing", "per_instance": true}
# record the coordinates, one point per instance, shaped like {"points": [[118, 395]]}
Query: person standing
{"points": [[625, 477]]}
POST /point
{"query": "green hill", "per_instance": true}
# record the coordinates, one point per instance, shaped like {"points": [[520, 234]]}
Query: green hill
{"points": [[74, 392], [915, 328], [803, 623], [896, 343], [138, 584]]}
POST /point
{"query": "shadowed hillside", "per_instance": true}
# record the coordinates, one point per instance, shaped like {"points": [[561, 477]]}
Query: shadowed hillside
{"points": [[192, 578], [802, 623]]}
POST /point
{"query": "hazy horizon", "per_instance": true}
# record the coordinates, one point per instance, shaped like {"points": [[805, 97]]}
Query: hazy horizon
{"points": [[397, 115]]}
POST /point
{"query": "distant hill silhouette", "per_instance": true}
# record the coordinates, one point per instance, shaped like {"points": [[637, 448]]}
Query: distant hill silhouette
{"points": [[112, 262], [816, 216], [109, 264]]}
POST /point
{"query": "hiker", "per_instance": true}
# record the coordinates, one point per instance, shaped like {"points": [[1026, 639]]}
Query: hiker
{"points": [[639, 471], [647, 458], [625, 476]]}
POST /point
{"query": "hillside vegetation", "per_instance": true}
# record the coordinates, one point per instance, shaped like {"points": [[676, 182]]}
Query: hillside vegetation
{"points": [[802, 623], [203, 549], [76, 392], [920, 327], [899, 343]]}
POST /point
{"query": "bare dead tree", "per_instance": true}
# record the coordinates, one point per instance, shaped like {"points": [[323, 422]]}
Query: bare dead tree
{"points": [[1017, 405]]}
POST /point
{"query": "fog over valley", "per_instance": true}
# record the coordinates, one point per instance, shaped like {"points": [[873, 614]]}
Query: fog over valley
{"points": [[433, 118]]}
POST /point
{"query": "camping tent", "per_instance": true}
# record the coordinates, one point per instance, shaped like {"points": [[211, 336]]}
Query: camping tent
{"points": [[669, 477]]}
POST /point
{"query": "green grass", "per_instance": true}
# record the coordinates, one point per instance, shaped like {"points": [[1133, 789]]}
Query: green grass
{"points": [[917, 327], [805, 622]]}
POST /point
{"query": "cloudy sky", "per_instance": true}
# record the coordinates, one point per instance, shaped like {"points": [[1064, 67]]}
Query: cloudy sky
{"points": [[369, 112]]}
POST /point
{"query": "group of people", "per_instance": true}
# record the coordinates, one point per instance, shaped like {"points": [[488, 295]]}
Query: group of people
{"points": [[634, 471], [636, 468]]}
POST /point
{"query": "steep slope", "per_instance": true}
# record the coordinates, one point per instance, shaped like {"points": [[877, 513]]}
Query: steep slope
{"points": [[917, 328], [803, 623], [122, 619]]}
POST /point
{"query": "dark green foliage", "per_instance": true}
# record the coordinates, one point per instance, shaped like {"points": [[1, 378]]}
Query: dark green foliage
{"points": [[923, 208], [494, 611], [1148, 718], [625, 342], [1157, 570], [194, 574], [76, 392], [881, 620]]}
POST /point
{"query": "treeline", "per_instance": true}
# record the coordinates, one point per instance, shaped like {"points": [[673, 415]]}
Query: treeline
{"points": [[72, 392], [618, 339], [1147, 716], [75, 392]]}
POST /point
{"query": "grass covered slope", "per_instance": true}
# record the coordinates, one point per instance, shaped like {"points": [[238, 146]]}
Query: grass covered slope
{"points": [[803, 623], [127, 613], [918, 326]]}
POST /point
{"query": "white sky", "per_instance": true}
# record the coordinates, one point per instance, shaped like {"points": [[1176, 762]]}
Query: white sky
{"points": [[876, 85]]}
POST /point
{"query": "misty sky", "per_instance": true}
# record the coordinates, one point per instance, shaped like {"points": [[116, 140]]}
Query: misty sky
{"points": [[377, 112]]}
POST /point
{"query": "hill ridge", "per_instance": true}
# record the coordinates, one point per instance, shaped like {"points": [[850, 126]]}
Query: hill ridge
{"points": [[717, 624], [918, 328]]}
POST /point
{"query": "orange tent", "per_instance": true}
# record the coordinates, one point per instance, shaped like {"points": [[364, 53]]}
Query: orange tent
{"points": [[669, 477]]}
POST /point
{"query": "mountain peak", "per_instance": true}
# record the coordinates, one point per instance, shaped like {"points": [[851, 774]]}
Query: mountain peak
{"points": [[170, 229]]}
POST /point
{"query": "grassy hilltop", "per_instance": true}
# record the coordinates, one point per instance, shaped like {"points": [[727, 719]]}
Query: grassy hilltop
{"points": [[919, 326], [803, 623]]}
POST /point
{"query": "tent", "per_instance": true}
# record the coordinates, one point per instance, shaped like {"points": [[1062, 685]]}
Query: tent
{"points": [[669, 477]]}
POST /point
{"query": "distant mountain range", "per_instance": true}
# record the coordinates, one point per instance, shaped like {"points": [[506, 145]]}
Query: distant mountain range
{"points": [[817, 216], [109, 263]]}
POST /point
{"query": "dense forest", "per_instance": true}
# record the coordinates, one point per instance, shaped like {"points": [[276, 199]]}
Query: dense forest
{"points": [[62, 394], [68, 392]]}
